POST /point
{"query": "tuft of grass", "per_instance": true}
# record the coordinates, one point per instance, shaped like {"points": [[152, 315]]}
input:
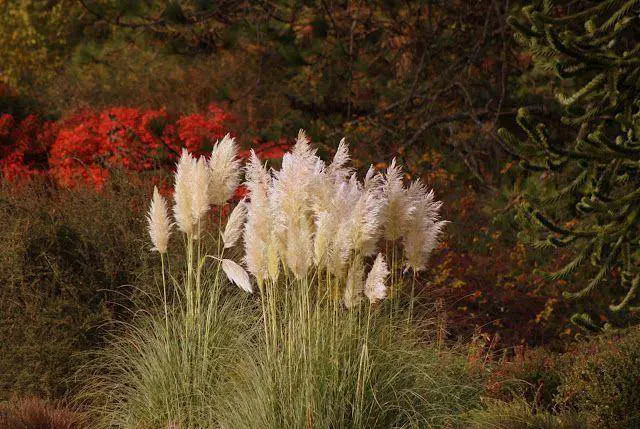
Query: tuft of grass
{"points": [[359, 370], [35, 413], [163, 370], [312, 355], [519, 414]]}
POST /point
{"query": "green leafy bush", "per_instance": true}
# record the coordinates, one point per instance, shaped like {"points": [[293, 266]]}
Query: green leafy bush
{"points": [[605, 381]]}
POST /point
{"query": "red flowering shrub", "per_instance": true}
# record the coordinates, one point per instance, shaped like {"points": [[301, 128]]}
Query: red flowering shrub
{"points": [[83, 148], [23, 151], [90, 144], [199, 132]]}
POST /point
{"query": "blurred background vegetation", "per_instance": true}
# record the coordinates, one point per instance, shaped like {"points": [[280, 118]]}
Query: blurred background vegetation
{"points": [[429, 82]]}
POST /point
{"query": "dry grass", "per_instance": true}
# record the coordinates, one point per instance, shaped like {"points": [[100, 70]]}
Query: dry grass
{"points": [[35, 413]]}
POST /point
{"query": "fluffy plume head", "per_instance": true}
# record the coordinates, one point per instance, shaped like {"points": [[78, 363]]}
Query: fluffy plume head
{"points": [[224, 171], [338, 170], [325, 230], [365, 222], [302, 148], [233, 229], [423, 228], [200, 190], [299, 249], [159, 224], [236, 274], [374, 287], [273, 259], [291, 199], [183, 192], [373, 181], [397, 205], [258, 228], [355, 285]]}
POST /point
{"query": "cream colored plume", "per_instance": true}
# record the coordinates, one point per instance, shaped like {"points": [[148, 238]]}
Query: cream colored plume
{"points": [[200, 190], [224, 171], [338, 170], [236, 274], [397, 207], [258, 228], [365, 222], [374, 287], [423, 228], [291, 197], [183, 192], [355, 285], [233, 229], [323, 237], [373, 181], [159, 223]]}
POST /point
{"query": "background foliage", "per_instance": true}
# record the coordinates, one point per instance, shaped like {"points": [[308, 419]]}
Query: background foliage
{"points": [[90, 88]]}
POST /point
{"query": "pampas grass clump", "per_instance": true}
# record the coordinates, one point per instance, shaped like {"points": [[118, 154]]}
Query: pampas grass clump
{"points": [[329, 340], [166, 369]]}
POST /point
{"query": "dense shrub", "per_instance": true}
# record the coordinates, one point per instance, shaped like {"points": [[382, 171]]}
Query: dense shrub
{"points": [[66, 257], [533, 375], [84, 147], [605, 381]]}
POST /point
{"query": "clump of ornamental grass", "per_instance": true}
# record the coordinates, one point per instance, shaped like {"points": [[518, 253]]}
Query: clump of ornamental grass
{"points": [[317, 242], [349, 372], [165, 369]]}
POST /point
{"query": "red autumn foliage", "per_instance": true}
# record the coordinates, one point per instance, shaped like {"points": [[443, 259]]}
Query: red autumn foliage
{"points": [[85, 147]]}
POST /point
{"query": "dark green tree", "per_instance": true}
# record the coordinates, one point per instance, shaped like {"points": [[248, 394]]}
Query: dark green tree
{"points": [[588, 172]]}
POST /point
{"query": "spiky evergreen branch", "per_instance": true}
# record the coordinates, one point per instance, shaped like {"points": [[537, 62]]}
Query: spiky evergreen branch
{"points": [[594, 177]]}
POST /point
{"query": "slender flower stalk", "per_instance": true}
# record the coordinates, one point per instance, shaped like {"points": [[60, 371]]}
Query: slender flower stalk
{"points": [[159, 231]]}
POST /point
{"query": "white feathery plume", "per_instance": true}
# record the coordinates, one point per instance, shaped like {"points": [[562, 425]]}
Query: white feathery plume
{"points": [[374, 287], [159, 223], [302, 147], [365, 223], [236, 274], [199, 190], [340, 225], [291, 199], [224, 171], [337, 170], [354, 285], [373, 180], [233, 228], [183, 192], [258, 228], [299, 249], [397, 207], [357, 220], [322, 237], [423, 228]]}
